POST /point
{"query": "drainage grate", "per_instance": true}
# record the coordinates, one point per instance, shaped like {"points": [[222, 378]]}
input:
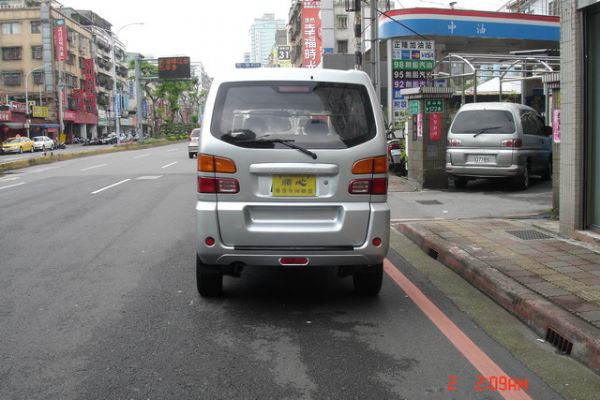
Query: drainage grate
{"points": [[556, 340], [428, 202], [529, 235], [433, 254]]}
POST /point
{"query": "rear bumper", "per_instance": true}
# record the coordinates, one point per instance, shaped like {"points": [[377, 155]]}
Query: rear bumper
{"points": [[483, 171], [220, 254], [193, 148]]}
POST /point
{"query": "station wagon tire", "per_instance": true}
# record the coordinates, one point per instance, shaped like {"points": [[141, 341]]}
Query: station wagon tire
{"points": [[191, 155], [547, 174], [209, 284], [523, 180], [368, 283], [460, 182], [20, 150]]}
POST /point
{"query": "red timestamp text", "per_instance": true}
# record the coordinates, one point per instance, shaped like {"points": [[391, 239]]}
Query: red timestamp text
{"points": [[500, 383]]}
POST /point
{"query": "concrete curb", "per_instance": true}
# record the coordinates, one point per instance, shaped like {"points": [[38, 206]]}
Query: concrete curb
{"points": [[533, 309]]}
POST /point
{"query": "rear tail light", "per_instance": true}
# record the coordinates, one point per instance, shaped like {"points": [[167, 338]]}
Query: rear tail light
{"points": [[368, 186], [373, 165], [453, 143], [393, 146], [516, 143], [209, 241], [377, 242], [208, 163], [218, 185]]}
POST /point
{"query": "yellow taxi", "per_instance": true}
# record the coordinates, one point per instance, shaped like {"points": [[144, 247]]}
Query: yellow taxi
{"points": [[17, 145]]}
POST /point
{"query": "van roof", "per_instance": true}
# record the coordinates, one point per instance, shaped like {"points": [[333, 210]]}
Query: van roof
{"points": [[495, 105], [292, 74]]}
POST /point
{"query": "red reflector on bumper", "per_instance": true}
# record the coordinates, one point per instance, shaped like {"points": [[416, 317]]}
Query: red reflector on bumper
{"points": [[293, 261]]}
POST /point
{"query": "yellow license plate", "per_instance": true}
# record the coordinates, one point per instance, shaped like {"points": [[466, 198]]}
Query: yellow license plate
{"points": [[294, 186]]}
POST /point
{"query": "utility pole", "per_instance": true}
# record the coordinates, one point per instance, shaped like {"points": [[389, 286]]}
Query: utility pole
{"points": [[356, 6], [138, 96], [375, 59]]}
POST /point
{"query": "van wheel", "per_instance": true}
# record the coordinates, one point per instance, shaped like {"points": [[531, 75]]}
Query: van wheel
{"points": [[191, 155], [368, 283], [523, 180], [208, 284]]}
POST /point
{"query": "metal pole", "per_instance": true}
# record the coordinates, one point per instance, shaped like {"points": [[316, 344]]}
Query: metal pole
{"points": [[138, 96], [60, 103], [27, 118], [375, 49], [116, 98], [357, 35]]}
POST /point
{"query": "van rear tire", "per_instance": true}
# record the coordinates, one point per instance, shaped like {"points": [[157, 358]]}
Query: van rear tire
{"points": [[460, 182], [368, 283], [209, 284]]}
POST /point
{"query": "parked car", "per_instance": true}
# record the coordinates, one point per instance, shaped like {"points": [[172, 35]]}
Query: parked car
{"points": [[193, 142], [17, 145], [498, 140], [42, 143], [292, 173]]}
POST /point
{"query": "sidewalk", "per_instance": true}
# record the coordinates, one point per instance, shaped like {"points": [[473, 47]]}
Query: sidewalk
{"points": [[550, 283]]}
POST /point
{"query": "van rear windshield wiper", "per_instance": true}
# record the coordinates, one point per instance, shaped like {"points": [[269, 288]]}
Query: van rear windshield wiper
{"points": [[484, 130], [285, 142]]}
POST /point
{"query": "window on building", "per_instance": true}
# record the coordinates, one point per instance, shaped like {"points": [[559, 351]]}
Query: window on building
{"points": [[341, 21], [12, 78], [70, 58], [38, 77], [36, 27], [342, 46], [11, 53], [11, 28], [36, 52]]}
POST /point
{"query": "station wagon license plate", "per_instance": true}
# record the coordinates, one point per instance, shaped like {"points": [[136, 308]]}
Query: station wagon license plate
{"points": [[294, 186], [481, 159]]}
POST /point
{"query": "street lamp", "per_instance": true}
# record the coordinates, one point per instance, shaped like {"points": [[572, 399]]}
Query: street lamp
{"points": [[28, 121], [114, 72]]}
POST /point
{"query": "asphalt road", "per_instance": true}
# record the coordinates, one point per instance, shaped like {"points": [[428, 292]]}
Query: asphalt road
{"points": [[98, 301]]}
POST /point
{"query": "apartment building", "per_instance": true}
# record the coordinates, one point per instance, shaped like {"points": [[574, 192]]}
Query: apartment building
{"points": [[31, 72]]}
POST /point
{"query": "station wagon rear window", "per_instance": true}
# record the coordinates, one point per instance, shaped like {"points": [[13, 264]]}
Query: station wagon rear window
{"points": [[484, 121], [318, 115]]}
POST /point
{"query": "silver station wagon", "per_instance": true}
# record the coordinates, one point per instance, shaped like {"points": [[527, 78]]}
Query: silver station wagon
{"points": [[292, 173], [498, 140]]}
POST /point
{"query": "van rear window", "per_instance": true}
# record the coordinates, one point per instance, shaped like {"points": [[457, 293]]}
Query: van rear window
{"points": [[483, 121], [317, 115]]}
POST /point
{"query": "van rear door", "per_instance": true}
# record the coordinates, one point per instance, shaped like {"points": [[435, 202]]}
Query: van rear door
{"points": [[294, 145], [481, 137]]}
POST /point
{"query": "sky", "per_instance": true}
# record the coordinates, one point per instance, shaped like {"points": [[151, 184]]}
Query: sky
{"points": [[209, 31]]}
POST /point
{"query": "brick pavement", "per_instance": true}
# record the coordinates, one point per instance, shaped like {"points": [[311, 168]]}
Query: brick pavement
{"points": [[547, 281]]}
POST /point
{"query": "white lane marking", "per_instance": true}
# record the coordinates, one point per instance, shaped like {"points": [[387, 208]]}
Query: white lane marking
{"points": [[168, 165], [44, 169], [93, 167], [148, 177], [168, 151], [12, 178], [143, 155], [11, 186], [110, 186]]}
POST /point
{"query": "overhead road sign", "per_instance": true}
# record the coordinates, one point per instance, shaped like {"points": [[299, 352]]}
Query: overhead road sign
{"points": [[248, 65], [174, 68]]}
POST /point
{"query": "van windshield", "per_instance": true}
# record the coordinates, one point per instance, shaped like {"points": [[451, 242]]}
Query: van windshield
{"points": [[318, 115], [483, 121]]}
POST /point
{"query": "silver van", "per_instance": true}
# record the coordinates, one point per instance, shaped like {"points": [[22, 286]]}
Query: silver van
{"points": [[292, 173], [498, 140]]}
